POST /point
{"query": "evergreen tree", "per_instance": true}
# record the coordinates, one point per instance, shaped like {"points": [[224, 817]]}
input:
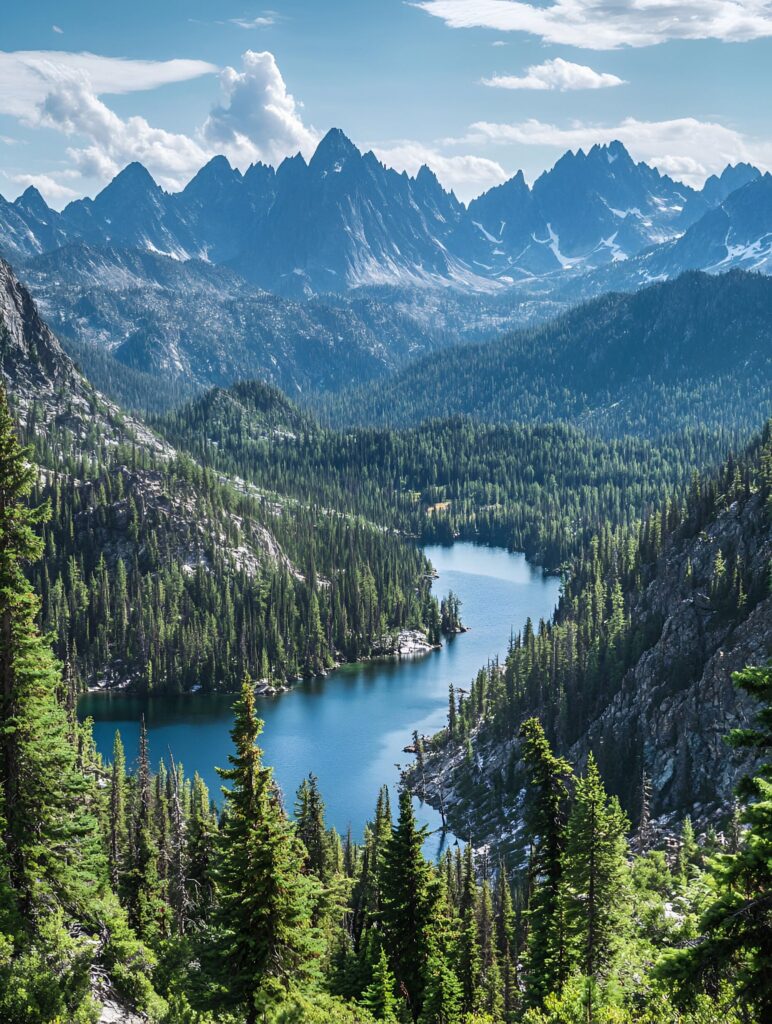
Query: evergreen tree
{"points": [[379, 997], [444, 996], [148, 912], [52, 846], [469, 958], [595, 877], [118, 847], [546, 960], [409, 904], [266, 901], [736, 928], [202, 851], [309, 819]]}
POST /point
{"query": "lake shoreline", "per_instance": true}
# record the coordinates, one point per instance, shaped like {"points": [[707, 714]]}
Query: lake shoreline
{"points": [[350, 727]]}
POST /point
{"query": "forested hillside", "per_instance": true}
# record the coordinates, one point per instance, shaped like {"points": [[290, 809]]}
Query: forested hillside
{"points": [[695, 351], [543, 489], [635, 667], [128, 897], [164, 575]]}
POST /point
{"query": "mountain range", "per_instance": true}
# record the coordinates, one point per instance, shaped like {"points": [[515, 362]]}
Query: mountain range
{"points": [[344, 220], [316, 276]]}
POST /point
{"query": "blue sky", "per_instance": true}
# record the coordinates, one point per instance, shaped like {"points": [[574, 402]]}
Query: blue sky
{"points": [[476, 88]]}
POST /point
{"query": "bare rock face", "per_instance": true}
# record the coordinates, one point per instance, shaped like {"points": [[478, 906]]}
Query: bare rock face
{"points": [[29, 351], [678, 702], [114, 1013]]}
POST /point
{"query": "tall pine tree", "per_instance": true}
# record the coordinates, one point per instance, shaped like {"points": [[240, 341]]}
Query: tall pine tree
{"points": [[409, 904], [266, 900]]}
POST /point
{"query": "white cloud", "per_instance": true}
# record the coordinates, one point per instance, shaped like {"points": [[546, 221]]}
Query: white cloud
{"points": [[609, 24], [54, 192], [466, 175], [59, 31], [685, 147], [557, 74], [72, 107], [257, 119], [263, 21], [26, 75], [499, 42]]}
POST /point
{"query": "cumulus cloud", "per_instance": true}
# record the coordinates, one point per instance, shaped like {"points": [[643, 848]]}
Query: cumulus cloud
{"points": [[466, 175], [685, 147], [71, 107], [557, 74], [609, 24], [26, 75], [257, 118]]}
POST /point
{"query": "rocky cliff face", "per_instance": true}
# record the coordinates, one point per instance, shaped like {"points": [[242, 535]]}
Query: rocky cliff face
{"points": [[678, 702], [675, 703]]}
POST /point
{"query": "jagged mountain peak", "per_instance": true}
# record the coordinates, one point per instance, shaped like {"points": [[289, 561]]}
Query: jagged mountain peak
{"points": [[719, 186], [33, 202], [292, 168], [611, 151], [134, 178], [334, 150], [345, 220], [217, 172]]}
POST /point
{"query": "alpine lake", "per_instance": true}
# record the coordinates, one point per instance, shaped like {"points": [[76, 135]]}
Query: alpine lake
{"points": [[349, 728]]}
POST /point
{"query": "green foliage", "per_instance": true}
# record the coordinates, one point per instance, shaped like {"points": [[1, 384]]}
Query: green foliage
{"points": [[735, 945], [408, 904], [265, 901], [693, 350], [546, 961], [542, 488], [595, 877]]}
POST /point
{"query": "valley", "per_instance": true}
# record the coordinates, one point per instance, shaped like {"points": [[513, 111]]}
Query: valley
{"points": [[265, 437], [350, 727]]}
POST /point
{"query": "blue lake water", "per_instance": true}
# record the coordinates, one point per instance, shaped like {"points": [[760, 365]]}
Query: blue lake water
{"points": [[349, 728]]}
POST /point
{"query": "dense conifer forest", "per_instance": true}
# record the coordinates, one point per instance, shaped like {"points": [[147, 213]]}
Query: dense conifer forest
{"points": [[154, 575], [242, 541], [138, 890], [544, 489], [569, 670], [693, 350]]}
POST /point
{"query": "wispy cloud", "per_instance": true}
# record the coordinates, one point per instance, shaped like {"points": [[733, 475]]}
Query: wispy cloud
{"points": [[262, 21], [26, 75], [609, 24], [54, 192], [59, 31], [685, 147], [557, 74]]}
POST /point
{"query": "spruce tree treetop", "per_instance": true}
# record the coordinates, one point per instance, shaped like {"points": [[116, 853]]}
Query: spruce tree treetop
{"points": [[266, 900], [409, 904]]}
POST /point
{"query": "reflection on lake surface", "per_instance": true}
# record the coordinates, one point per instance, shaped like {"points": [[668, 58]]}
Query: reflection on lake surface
{"points": [[348, 728]]}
